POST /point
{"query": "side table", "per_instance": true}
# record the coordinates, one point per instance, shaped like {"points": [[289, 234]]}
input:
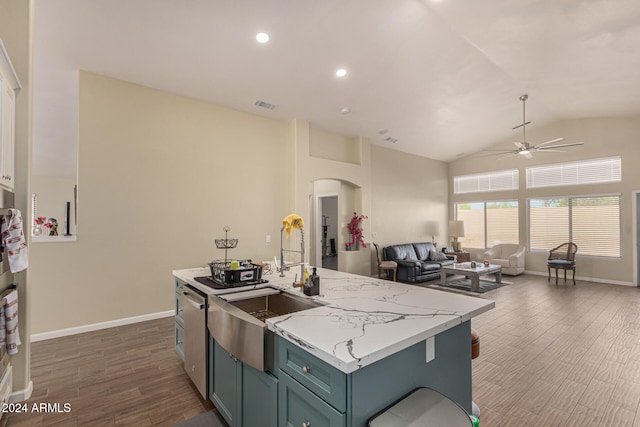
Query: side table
{"points": [[461, 256]]}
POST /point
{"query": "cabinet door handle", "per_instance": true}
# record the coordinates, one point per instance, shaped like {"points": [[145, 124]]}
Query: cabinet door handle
{"points": [[306, 424], [306, 369], [180, 343]]}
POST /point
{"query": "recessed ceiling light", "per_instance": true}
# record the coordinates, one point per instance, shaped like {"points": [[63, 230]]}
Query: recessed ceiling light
{"points": [[262, 37], [459, 154], [383, 131], [345, 110], [391, 140], [341, 72]]}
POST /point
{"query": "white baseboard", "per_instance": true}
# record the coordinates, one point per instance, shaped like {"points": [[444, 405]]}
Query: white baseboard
{"points": [[583, 279], [102, 325], [21, 395]]}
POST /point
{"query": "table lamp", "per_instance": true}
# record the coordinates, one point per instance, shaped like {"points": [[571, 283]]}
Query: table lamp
{"points": [[456, 229]]}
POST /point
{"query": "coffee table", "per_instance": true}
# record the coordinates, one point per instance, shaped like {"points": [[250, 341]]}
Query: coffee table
{"points": [[472, 274]]}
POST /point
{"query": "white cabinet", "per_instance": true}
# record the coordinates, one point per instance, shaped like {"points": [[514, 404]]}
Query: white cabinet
{"points": [[9, 84]]}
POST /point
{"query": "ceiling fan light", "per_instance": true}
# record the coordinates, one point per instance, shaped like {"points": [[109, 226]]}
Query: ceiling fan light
{"points": [[524, 152]]}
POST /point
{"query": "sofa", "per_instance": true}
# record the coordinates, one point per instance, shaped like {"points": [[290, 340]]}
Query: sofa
{"points": [[508, 255], [417, 262]]}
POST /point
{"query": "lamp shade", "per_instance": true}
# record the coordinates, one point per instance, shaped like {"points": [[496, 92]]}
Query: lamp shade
{"points": [[456, 228]]}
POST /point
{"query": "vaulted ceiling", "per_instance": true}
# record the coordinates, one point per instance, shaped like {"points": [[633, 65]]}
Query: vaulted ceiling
{"points": [[442, 77]]}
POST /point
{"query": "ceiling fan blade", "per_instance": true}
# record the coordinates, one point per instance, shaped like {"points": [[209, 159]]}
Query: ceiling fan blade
{"points": [[502, 153], [573, 144], [507, 155], [520, 144], [550, 142], [550, 150]]}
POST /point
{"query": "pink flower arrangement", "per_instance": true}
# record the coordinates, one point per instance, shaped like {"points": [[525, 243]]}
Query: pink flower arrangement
{"points": [[356, 231], [42, 220]]}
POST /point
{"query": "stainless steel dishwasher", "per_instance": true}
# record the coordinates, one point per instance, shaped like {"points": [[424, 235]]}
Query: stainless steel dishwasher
{"points": [[195, 337]]}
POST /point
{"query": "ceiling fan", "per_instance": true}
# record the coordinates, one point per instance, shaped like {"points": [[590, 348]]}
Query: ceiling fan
{"points": [[524, 148]]}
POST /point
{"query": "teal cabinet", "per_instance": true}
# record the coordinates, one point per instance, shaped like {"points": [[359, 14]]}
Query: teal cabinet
{"points": [[314, 393], [259, 398], [300, 407], [225, 391], [179, 344], [244, 396], [319, 377], [179, 332]]}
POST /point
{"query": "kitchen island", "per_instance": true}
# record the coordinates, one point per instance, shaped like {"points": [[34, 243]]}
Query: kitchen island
{"points": [[372, 342]]}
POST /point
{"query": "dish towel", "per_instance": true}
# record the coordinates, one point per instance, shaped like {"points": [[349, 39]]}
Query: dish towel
{"points": [[292, 221], [9, 334], [13, 240]]}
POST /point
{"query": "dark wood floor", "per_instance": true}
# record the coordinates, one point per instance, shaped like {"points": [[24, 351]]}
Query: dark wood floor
{"points": [[550, 356], [128, 376]]}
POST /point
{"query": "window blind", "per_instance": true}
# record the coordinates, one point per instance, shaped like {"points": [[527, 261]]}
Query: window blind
{"points": [[502, 223], [592, 223], [595, 225], [488, 223], [473, 216], [548, 223], [491, 181], [595, 171]]}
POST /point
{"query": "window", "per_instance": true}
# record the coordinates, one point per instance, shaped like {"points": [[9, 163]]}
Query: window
{"points": [[592, 223], [596, 171], [491, 181], [488, 223]]}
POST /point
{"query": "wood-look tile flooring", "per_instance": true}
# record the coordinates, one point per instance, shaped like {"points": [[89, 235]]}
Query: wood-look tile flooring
{"points": [[550, 356], [124, 376], [559, 355]]}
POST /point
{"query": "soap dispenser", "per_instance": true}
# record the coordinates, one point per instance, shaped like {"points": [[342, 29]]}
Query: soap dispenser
{"points": [[312, 285]]}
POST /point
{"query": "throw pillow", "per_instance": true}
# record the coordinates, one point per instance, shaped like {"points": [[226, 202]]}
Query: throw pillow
{"points": [[437, 256], [408, 258]]}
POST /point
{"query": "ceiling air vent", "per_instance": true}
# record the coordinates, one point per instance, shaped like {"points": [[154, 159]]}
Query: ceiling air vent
{"points": [[264, 105], [391, 140]]}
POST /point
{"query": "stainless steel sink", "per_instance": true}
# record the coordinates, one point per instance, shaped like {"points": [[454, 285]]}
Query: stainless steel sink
{"points": [[237, 322]]}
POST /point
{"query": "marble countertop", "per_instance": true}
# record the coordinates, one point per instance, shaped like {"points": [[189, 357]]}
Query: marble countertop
{"points": [[365, 319]]}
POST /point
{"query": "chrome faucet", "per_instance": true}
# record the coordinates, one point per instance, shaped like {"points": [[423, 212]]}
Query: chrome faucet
{"points": [[283, 265]]}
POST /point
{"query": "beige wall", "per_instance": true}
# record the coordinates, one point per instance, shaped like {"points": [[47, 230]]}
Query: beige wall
{"points": [[16, 28], [603, 137], [411, 198], [159, 177], [161, 174]]}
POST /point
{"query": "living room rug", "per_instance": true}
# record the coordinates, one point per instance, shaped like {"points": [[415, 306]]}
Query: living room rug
{"points": [[207, 419], [464, 284]]}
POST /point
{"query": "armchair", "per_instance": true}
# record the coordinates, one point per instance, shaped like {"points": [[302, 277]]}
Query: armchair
{"points": [[509, 256], [563, 257]]}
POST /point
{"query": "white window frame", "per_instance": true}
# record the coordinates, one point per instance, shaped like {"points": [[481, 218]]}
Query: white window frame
{"points": [[582, 172], [582, 196], [487, 181], [484, 202]]}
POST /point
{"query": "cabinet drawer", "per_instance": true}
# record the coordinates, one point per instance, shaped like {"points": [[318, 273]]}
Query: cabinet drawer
{"points": [[299, 407], [321, 378], [179, 309], [180, 340], [179, 301]]}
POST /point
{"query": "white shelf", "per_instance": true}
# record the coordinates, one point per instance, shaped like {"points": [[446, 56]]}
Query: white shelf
{"points": [[53, 239]]}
